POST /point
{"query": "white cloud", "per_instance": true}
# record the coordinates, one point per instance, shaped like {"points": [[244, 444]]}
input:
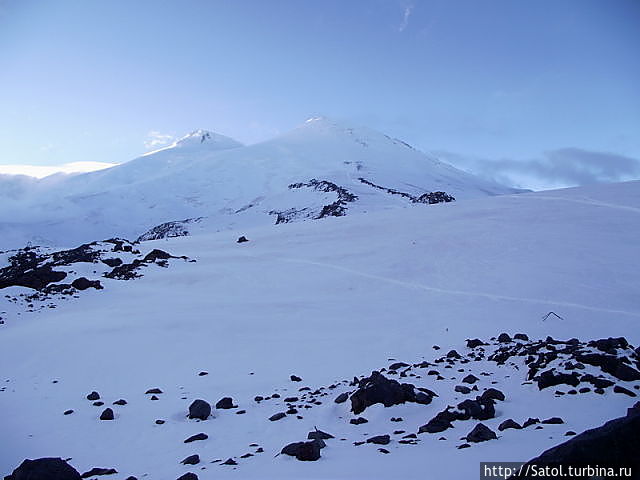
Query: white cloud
{"points": [[41, 171], [405, 17], [156, 139]]}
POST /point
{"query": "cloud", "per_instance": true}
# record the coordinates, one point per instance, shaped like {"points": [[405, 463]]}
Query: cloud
{"points": [[156, 139], [565, 167], [405, 17], [41, 171]]}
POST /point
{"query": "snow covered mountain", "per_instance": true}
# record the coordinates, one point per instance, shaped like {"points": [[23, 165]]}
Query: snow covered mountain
{"points": [[273, 331], [318, 169]]}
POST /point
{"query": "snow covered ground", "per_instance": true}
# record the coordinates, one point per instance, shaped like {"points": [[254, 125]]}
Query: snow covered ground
{"points": [[325, 300]]}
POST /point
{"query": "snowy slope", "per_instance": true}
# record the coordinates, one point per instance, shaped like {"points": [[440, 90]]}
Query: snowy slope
{"points": [[327, 300], [208, 175]]}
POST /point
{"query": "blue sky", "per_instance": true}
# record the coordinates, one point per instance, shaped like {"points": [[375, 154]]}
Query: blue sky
{"points": [[486, 83]]}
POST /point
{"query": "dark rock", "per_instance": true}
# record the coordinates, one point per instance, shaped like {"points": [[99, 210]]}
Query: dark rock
{"points": [[277, 416], [358, 421], [553, 421], [93, 396], [291, 399], [242, 239], [153, 397], [224, 403], [95, 472], [550, 378], [83, 283], [379, 439], [462, 389], [120, 402], [97, 404], [295, 378], [159, 422], [241, 412], [610, 364], [191, 460], [464, 445], [470, 379], [319, 434], [437, 424], [614, 444], [258, 398], [619, 389], [343, 397], [229, 461], [504, 338], [68, 412], [112, 262], [156, 254], [379, 389], [530, 421], [304, 451], [398, 365], [153, 390], [481, 433], [44, 469], [199, 409], [521, 336], [107, 414], [453, 354], [383, 450], [478, 409], [188, 476], [492, 394], [422, 398], [203, 373], [196, 437], [570, 433], [597, 381], [509, 424], [475, 343]]}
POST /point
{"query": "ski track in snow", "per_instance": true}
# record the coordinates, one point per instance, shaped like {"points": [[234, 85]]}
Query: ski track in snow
{"points": [[428, 288], [585, 201]]}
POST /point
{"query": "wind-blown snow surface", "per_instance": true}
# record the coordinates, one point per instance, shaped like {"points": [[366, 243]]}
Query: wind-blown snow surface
{"points": [[209, 175], [325, 300]]}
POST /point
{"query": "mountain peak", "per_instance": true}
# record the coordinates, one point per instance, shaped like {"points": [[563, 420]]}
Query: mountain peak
{"points": [[211, 139]]}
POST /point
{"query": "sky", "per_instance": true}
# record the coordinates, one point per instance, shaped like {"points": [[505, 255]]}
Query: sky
{"points": [[536, 94]]}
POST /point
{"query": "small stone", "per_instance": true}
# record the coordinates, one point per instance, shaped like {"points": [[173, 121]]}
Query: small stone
{"points": [[343, 397], [295, 378], [481, 433], [241, 239], [188, 476], [229, 461], [97, 404], [358, 421], [383, 450], [510, 423], [203, 373], [153, 390], [159, 422], [277, 416], [68, 412], [553, 421], [95, 472], [122, 401]]}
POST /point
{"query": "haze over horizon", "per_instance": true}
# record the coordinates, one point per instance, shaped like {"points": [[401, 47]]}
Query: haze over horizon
{"points": [[535, 95]]}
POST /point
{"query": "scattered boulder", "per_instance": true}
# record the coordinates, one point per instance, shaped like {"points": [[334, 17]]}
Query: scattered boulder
{"points": [[295, 378], [530, 421], [551, 378], [229, 461], [277, 416], [470, 379], [188, 476], [44, 469], [343, 397], [199, 409], [121, 402], [224, 403], [481, 433], [492, 394], [93, 396], [358, 421], [504, 338], [83, 283], [304, 451], [619, 389], [107, 414], [153, 391], [379, 389], [95, 472], [462, 389], [553, 421], [509, 423], [379, 440], [191, 460], [196, 437], [475, 343], [521, 336], [614, 444], [320, 435], [242, 239]]}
